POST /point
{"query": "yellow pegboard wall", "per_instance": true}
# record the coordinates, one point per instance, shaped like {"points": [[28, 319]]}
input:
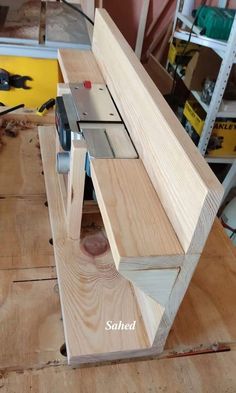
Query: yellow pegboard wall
{"points": [[45, 74]]}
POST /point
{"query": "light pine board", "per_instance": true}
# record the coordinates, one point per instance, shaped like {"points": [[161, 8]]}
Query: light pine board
{"points": [[136, 223], [75, 192], [187, 188], [78, 66], [158, 284]]}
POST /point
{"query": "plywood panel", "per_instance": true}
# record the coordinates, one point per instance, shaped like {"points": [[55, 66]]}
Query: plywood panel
{"points": [[206, 312], [25, 233], [188, 190], [218, 243], [204, 373], [30, 318], [21, 166]]}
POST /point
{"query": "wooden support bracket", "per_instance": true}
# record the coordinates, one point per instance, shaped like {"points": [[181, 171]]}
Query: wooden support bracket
{"points": [[75, 192]]}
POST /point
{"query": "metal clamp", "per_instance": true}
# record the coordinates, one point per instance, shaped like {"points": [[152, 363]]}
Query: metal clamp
{"points": [[88, 112]]}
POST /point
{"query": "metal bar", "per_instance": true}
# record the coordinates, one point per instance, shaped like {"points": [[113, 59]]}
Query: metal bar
{"points": [[230, 180], [222, 3], [14, 108], [221, 160], [97, 143], [94, 104], [174, 26], [188, 21], [216, 45], [39, 51], [176, 14]]}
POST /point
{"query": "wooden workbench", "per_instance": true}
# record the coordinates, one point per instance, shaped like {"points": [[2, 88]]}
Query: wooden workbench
{"points": [[200, 351]]}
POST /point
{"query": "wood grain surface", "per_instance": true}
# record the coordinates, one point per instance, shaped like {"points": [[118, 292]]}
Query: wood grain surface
{"points": [[31, 328], [89, 286], [136, 223], [75, 191], [187, 188], [78, 66]]}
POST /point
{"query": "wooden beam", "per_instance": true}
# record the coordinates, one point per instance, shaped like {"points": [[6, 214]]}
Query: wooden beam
{"points": [[141, 28], [156, 283], [75, 191], [138, 229], [78, 66], [187, 188]]}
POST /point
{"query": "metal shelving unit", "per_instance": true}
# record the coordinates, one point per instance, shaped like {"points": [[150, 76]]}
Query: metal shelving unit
{"points": [[227, 52]]}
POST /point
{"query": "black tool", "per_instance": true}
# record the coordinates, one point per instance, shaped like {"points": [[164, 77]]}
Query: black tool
{"points": [[14, 108], [18, 81], [4, 80], [45, 106], [62, 123]]}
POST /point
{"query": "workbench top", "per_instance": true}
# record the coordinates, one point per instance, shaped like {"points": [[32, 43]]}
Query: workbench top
{"points": [[200, 351]]}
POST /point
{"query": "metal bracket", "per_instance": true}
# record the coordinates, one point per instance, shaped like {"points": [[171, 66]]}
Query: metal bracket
{"points": [[89, 113], [93, 103]]}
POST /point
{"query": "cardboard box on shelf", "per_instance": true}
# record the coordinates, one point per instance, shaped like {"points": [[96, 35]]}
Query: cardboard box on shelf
{"points": [[162, 79], [204, 64]]}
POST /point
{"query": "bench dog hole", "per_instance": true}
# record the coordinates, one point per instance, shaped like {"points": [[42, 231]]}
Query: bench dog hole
{"points": [[63, 350]]}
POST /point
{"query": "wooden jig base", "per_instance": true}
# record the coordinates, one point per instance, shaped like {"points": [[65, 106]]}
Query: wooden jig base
{"points": [[92, 292]]}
